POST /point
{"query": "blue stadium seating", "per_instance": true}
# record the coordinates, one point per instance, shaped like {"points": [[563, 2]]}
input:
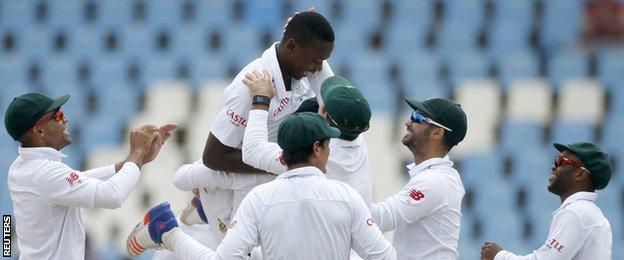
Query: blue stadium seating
{"points": [[468, 65], [412, 14], [87, 42], [164, 13], [610, 67], [370, 74], [36, 42], [403, 40], [206, 68], [65, 13], [216, 13], [114, 14], [352, 40], [517, 64], [263, 13], [561, 23], [137, 41], [17, 14], [13, 70], [242, 44], [501, 42], [478, 167], [160, 68], [520, 136], [362, 13], [568, 132], [190, 40], [468, 12], [567, 65], [457, 38]]}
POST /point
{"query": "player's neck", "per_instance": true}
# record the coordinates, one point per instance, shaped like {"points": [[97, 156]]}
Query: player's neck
{"points": [[281, 60]]}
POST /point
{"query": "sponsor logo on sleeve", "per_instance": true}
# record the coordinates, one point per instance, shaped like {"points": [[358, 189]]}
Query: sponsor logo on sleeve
{"points": [[370, 222], [416, 194], [72, 179], [236, 119], [555, 245]]}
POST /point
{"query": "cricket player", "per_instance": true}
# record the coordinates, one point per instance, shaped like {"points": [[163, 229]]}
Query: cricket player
{"points": [[299, 215], [297, 67], [578, 229], [425, 214], [47, 194]]}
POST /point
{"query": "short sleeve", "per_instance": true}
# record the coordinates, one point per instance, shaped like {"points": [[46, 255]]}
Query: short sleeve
{"points": [[231, 120]]}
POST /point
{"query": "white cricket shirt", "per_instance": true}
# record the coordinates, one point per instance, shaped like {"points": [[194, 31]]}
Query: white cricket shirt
{"points": [[47, 196], [299, 215], [348, 160], [425, 215], [578, 230]]}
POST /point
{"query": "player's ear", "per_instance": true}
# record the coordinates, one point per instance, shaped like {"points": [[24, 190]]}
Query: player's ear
{"points": [[316, 148], [291, 44], [437, 133], [38, 131]]}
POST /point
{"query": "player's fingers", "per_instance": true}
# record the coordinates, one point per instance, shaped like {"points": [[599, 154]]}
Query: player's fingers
{"points": [[311, 9], [258, 74], [250, 76], [247, 82]]}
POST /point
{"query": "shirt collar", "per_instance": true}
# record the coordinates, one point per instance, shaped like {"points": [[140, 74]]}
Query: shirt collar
{"points": [[301, 172], [270, 58], [427, 164], [581, 195], [40, 153]]}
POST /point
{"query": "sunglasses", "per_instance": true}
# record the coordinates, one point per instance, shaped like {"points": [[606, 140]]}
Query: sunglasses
{"points": [[420, 118], [560, 161], [58, 116]]}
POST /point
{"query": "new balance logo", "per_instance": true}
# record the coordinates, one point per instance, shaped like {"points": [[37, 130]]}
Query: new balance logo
{"points": [[416, 195]]}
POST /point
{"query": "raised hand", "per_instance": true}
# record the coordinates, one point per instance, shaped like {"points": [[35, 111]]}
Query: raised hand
{"points": [[141, 140], [259, 84], [164, 132]]}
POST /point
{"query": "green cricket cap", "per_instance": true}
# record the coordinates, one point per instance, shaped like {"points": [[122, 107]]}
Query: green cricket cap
{"points": [[597, 162], [25, 110], [348, 109], [445, 112], [301, 130]]}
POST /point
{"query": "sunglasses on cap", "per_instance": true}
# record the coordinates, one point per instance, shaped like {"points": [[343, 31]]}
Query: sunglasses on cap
{"points": [[560, 160], [420, 118], [58, 116]]}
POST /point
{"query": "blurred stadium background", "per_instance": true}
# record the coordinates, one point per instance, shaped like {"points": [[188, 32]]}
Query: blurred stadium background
{"points": [[526, 72]]}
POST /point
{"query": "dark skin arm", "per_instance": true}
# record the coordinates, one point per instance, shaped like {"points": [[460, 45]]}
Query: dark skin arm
{"points": [[220, 157]]}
